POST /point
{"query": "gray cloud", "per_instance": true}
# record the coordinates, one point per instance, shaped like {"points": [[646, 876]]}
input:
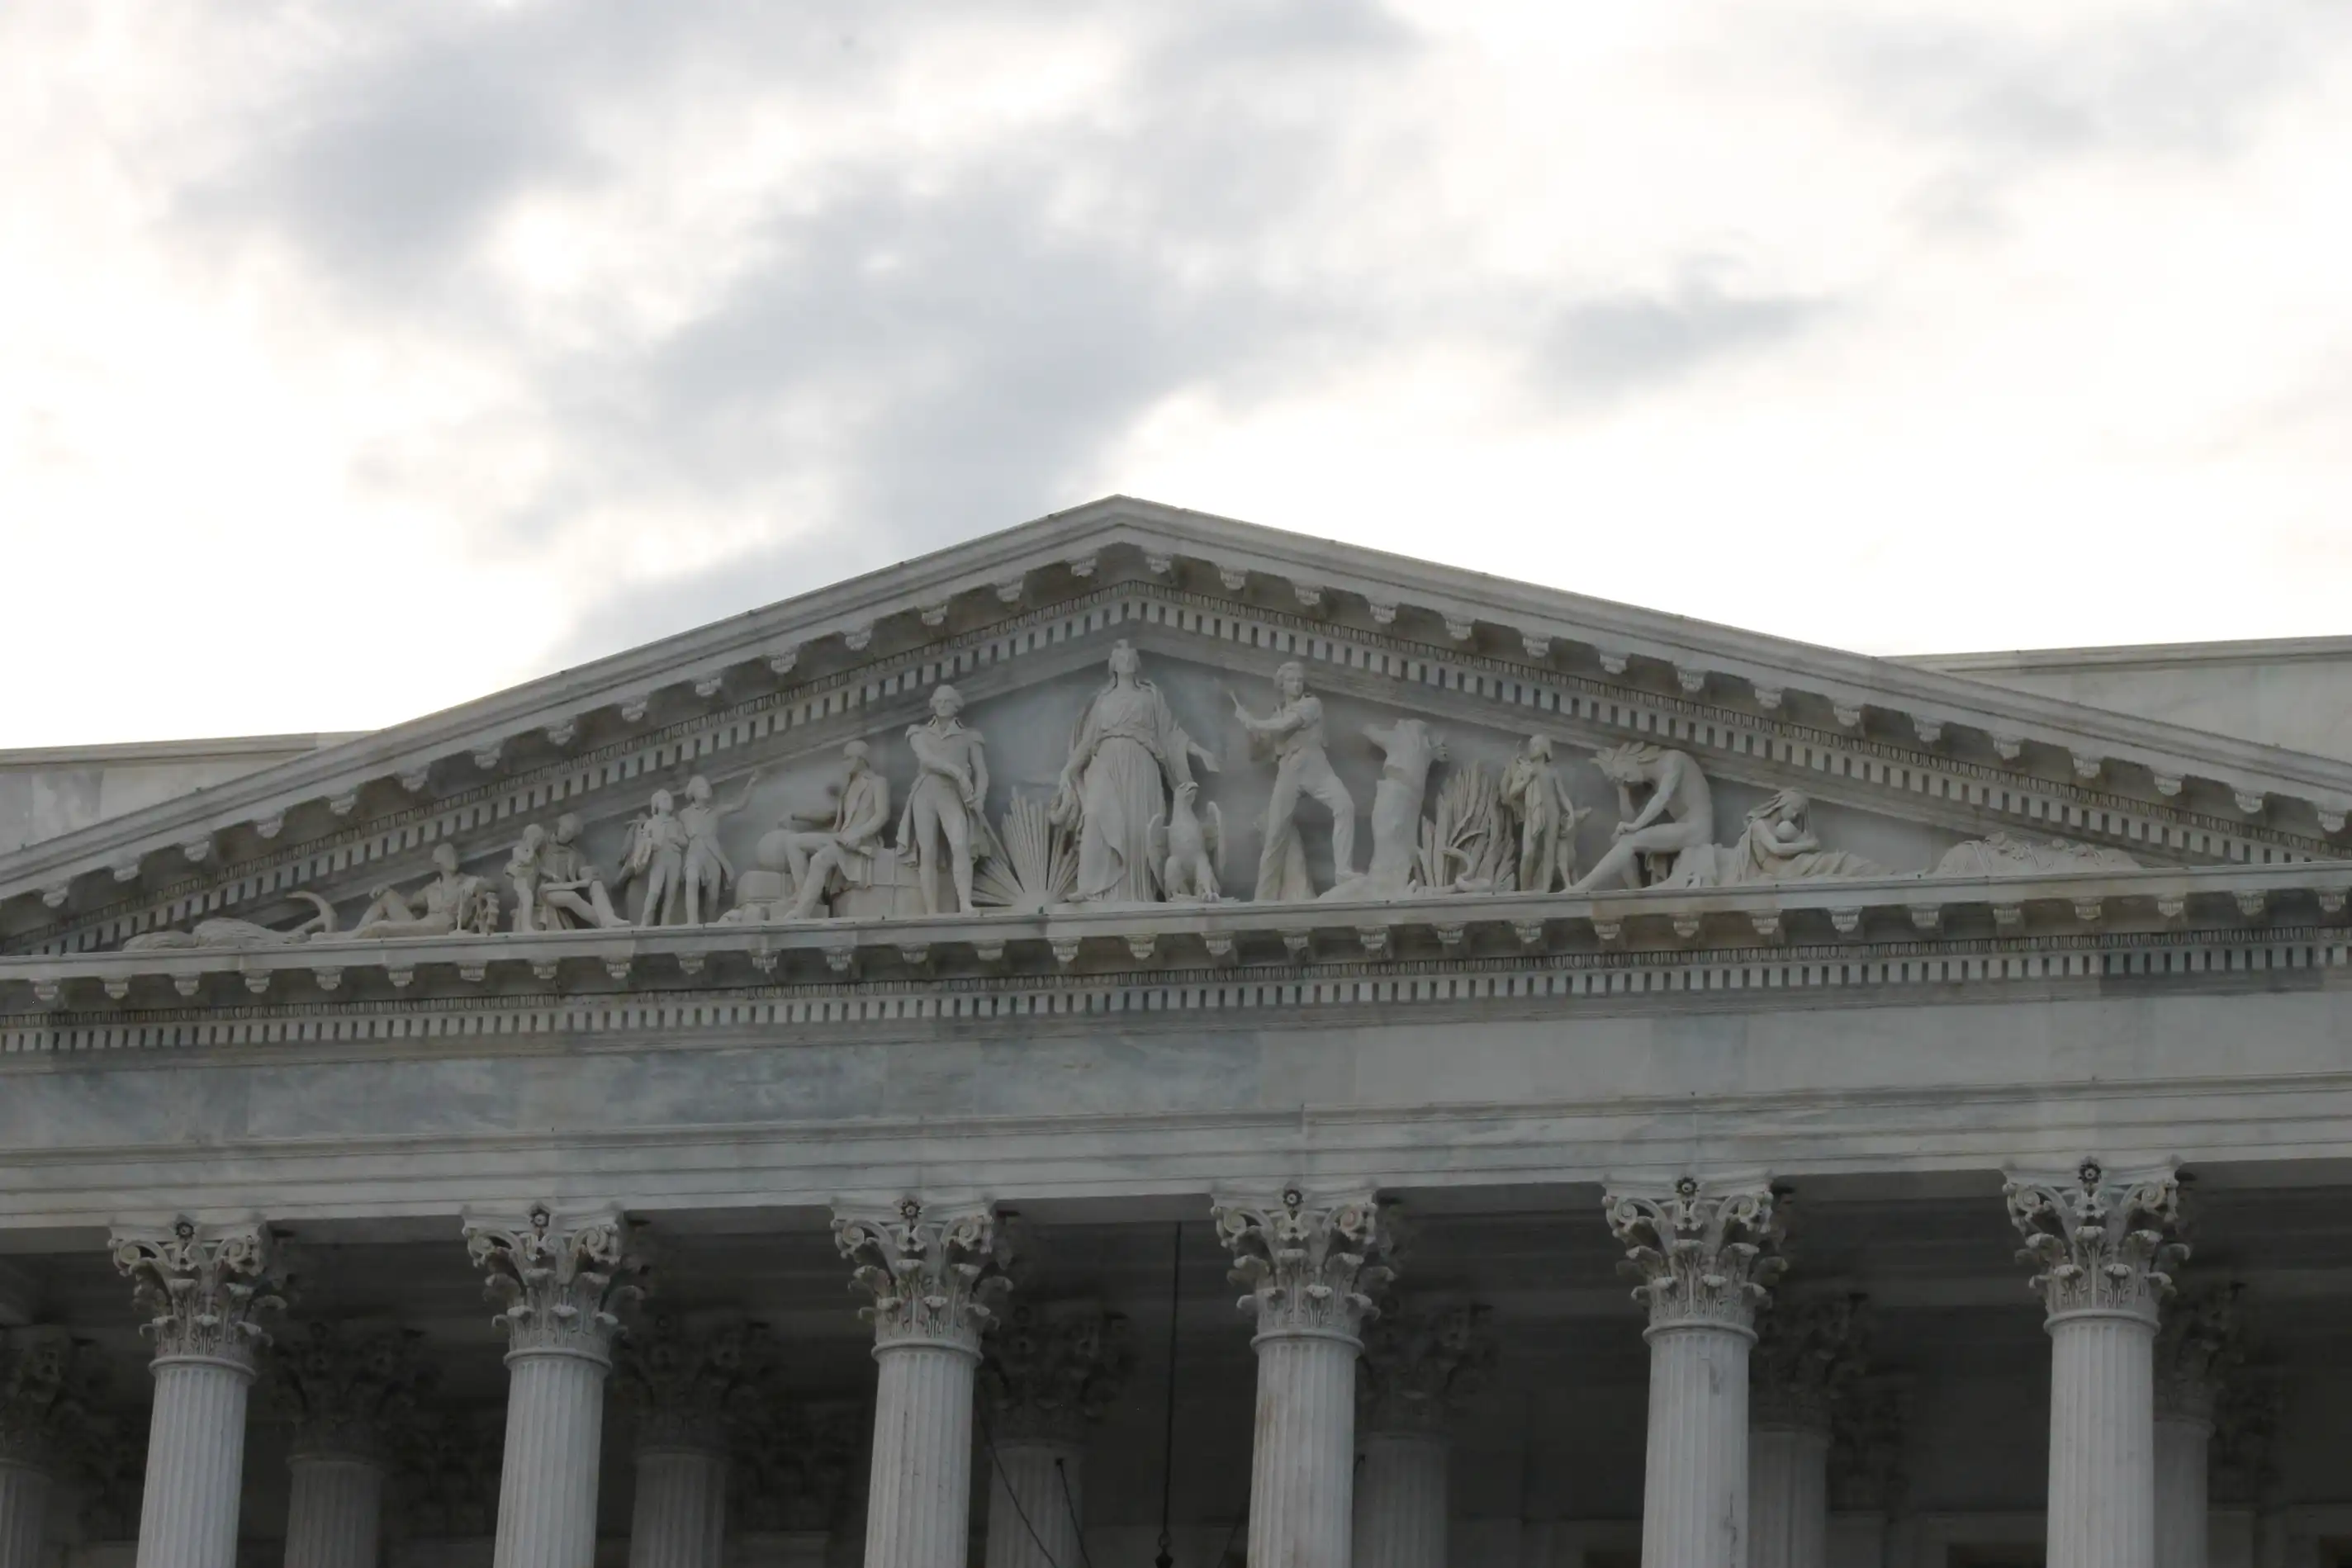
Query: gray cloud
{"points": [[1620, 344]]}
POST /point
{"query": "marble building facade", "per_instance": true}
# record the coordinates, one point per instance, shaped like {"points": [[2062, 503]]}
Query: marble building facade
{"points": [[815, 1091]]}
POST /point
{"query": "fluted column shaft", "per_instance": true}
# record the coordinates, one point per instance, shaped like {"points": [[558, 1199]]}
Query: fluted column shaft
{"points": [[1032, 1523], [1302, 1466], [1788, 1496], [555, 1434], [334, 1515], [2102, 1441], [680, 1516], [919, 1499], [25, 1491], [2182, 1492], [1401, 1500], [1695, 1482], [195, 1463]]}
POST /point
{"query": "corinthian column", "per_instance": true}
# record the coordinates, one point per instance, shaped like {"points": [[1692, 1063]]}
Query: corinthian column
{"points": [[563, 1281], [47, 1380], [1307, 1266], [1702, 1257], [1806, 1353], [346, 1391], [2101, 1244], [1417, 1369], [931, 1274], [680, 1383], [1046, 1374], [207, 1286], [2196, 1348]]}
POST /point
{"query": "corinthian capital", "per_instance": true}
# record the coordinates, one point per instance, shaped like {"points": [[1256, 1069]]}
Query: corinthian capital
{"points": [[2103, 1243], [683, 1384], [50, 1385], [1704, 1254], [207, 1287], [348, 1389], [1807, 1353], [2198, 1346], [1049, 1370], [932, 1274], [1417, 1367], [1308, 1265], [564, 1280]]}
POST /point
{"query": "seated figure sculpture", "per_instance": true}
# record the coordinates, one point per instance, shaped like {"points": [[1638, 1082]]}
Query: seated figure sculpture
{"points": [[1679, 814], [557, 887], [452, 902], [840, 855]]}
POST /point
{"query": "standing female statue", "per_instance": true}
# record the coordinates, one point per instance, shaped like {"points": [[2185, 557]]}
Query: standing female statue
{"points": [[1128, 755]]}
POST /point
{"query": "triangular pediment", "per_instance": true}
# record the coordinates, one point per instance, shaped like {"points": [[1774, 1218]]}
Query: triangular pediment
{"points": [[1901, 763]]}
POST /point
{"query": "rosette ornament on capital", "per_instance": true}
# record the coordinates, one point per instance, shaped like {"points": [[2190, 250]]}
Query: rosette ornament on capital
{"points": [[1705, 1258], [1309, 1267], [934, 1277], [206, 1288], [2103, 1243]]}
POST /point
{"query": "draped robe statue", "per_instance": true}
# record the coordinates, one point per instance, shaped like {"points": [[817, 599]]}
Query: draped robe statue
{"points": [[1128, 754]]}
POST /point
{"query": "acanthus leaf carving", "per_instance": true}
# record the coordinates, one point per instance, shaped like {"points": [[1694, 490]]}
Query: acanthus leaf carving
{"points": [[685, 1384], [1419, 1366], [934, 1277], [564, 1280], [1049, 1370], [2101, 1243], [1705, 1255], [207, 1288], [349, 1390], [51, 1385], [1808, 1352], [1308, 1266]]}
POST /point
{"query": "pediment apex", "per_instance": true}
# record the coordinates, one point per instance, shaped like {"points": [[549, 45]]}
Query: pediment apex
{"points": [[1452, 611]]}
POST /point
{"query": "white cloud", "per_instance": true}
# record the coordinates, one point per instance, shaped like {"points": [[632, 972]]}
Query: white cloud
{"points": [[354, 363]]}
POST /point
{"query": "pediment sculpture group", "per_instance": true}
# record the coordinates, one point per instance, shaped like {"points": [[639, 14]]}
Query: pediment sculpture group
{"points": [[1125, 825]]}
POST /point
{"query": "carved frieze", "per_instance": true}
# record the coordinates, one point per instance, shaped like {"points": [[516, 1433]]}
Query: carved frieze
{"points": [[685, 1384], [50, 1386], [2199, 1348]]}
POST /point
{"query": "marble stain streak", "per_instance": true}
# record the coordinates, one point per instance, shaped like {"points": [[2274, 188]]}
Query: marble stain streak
{"points": [[1695, 1490]]}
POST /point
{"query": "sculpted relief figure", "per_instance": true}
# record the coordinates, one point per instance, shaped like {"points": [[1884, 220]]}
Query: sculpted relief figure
{"points": [[1679, 814], [706, 868], [1292, 735], [657, 861], [1776, 845], [1128, 756], [1534, 795], [452, 902], [1409, 749], [557, 887], [943, 809], [229, 932], [841, 854]]}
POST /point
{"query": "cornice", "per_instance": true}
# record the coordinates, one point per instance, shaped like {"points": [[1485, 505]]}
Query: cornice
{"points": [[837, 630], [1893, 936]]}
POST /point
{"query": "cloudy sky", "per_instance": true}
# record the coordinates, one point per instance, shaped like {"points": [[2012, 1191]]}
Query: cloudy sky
{"points": [[356, 359]]}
